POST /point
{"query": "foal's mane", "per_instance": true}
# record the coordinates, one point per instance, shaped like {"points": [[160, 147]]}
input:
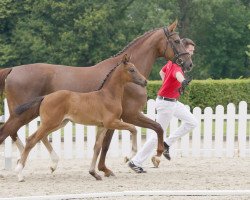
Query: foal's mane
{"points": [[148, 33], [107, 76]]}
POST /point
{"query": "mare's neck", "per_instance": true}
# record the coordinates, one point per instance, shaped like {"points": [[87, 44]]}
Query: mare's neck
{"points": [[145, 53]]}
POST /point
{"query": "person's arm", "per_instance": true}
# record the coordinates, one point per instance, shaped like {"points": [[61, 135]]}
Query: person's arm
{"points": [[162, 74], [179, 77], [183, 81]]}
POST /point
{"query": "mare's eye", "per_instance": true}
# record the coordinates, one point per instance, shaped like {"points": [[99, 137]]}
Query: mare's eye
{"points": [[177, 41], [132, 70]]}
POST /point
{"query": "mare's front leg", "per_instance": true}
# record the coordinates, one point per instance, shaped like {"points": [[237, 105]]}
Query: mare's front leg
{"points": [[98, 144], [140, 120]]}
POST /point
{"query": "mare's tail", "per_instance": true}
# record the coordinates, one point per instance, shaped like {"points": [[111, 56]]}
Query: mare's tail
{"points": [[3, 75], [35, 103]]}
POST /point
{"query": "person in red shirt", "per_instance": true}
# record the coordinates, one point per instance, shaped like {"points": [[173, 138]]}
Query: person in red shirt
{"points": [[168, 106]]}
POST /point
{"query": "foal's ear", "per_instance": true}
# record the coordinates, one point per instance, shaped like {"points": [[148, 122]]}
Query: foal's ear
{"points": [[173, 26], [125, 59]]}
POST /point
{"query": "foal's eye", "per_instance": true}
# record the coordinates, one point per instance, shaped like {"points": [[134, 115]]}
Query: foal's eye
{"points": [[177, 41], [131, 70]]}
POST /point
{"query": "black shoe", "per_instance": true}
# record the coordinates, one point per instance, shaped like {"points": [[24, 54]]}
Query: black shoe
{"points": [[135, 168], [166, 151]]}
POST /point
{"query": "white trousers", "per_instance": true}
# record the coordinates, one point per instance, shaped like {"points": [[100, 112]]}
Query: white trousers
{"points": [[165, 111]]}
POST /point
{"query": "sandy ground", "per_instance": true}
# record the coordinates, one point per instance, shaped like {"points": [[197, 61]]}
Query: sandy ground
{"points": [[179, 174]]}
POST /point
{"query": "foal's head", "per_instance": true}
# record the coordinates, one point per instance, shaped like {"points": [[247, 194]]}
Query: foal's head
{"points": [[130, 73]]}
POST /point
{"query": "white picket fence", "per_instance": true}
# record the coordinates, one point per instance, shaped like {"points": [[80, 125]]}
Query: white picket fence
{"points": [[219, 134]]}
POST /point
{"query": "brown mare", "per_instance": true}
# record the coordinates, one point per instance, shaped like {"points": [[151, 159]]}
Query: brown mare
{"points": [[23, 83], [102, 108]]}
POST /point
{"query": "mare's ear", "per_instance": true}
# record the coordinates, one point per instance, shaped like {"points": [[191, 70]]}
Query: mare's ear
{"points": [[125, 59], [173, 26]]}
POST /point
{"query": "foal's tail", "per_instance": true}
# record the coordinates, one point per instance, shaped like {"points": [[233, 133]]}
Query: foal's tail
{"points": [[35, 103], [3, 75]]}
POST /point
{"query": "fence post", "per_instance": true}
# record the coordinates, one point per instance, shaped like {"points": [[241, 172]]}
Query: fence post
{"points": [[79, 143], [8, 142], [196, 137], [91, 135], [219, 122], [68, 142], [208, 124], [114, 150], [242, 128], [230, 130]]}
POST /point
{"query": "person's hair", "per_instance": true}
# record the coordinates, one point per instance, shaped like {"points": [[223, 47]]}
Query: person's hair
{"points": [[187, 41]]}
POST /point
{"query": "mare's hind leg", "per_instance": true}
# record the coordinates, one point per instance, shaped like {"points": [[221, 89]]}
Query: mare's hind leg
{"points": [[105, 146], [98, 144], [10, 128]]}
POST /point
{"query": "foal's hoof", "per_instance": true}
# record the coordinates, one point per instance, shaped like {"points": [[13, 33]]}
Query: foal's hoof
{"points": [[156, 161], [94, 174], [53, 167], [20, 178], [98, 177]]}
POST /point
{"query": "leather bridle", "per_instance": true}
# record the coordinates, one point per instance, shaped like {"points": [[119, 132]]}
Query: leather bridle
{"points": [[177, 55]]}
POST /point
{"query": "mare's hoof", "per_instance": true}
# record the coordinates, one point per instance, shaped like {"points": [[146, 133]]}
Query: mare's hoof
{"points": [[156, 161], [52, 169], [126, 159], [109, 173]]}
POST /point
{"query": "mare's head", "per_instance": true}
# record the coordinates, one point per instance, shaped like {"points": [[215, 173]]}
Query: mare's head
{"points": [[130, 73], [174, 48]]}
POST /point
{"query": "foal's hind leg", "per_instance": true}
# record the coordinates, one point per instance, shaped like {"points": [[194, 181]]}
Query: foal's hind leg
{"points": [[98, 144], [45, 128], [30, 143], [53, 156]]}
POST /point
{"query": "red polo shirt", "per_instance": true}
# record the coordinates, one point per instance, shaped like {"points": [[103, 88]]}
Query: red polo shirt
{"points": [[170, 84]]}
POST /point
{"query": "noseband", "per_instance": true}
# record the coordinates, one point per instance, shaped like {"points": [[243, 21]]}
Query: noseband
{"points": [[177, 54]]}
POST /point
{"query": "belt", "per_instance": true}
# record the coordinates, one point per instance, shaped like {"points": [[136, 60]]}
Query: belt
{"points": [[166, 99]]}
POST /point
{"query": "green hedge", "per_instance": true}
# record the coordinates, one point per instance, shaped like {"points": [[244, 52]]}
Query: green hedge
{"points": [[210, 93]]}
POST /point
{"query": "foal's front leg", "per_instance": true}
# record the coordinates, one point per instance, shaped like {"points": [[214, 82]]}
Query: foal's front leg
{"points": [[98, 144], [105, 146]]}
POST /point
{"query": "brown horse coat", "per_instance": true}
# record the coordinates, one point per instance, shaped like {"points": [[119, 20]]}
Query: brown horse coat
{"points": [[26, 82], [102, 108]]}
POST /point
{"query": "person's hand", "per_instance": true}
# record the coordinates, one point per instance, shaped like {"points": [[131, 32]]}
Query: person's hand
{"points": [[184, 84]]}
